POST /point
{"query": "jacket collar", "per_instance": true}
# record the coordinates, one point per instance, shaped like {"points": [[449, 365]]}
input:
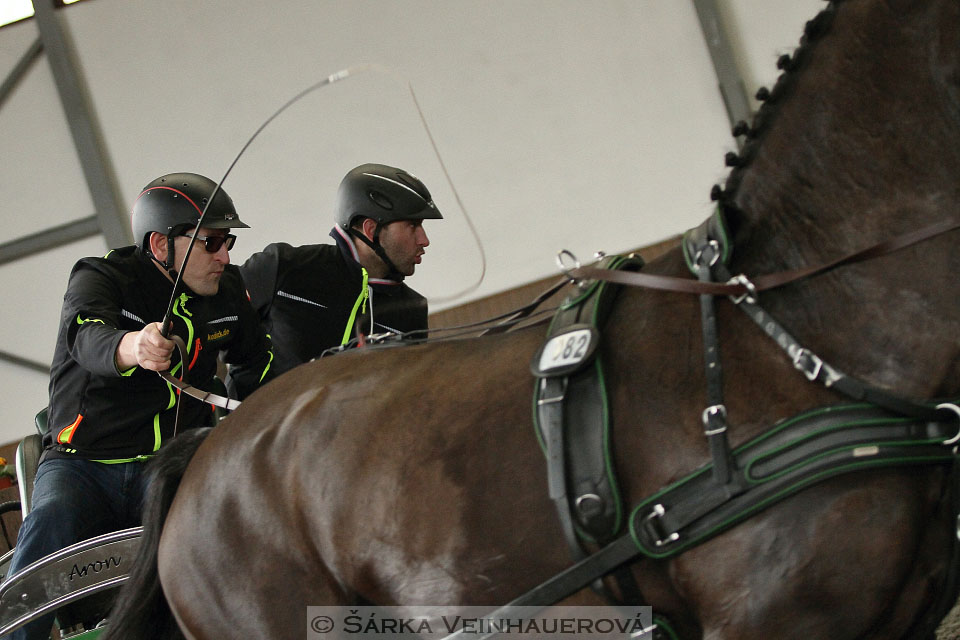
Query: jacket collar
{"points": [[350, 256]]}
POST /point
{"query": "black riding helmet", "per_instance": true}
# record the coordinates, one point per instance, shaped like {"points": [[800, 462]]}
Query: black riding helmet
{"points": [[174, 202], [385, 194]]}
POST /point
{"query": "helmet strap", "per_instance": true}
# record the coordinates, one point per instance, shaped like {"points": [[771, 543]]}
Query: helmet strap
{"points": [[392, 272], [168, 264]]}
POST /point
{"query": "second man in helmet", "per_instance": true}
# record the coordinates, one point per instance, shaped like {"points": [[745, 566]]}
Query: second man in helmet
{"points": [[314, 297]]}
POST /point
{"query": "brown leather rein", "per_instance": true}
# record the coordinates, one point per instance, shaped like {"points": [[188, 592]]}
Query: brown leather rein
{"points": [[741, 285], [181, 383]]}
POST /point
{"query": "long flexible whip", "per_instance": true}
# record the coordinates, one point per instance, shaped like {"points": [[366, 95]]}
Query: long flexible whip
{"points": [[340, 75]]}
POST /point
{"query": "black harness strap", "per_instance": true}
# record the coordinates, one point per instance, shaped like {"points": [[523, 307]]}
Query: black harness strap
{"points": [[552, 394], [568, 582], [572, 421], [714, 417], [706, 248], [572, 414], [795, 454]]}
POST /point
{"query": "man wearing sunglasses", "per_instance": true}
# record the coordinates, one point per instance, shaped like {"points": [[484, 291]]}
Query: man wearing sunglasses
{"points": [[312, 298], [109, 410]]}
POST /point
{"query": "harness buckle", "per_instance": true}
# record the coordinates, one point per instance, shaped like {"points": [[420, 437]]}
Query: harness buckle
{"points": [[589, 505], [750, 296], [710, 417], [651, 525], [808, 363], [698, 257], [956, 438], [640, 633], [559, 397]]}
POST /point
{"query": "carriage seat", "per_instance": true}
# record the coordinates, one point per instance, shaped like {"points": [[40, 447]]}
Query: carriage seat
{"points": [[28, 459], [86, 571], [91, 568]]}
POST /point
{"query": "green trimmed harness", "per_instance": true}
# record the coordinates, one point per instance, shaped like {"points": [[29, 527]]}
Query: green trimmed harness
{"points": [[793, 455], [571, 414], [877, 430]]}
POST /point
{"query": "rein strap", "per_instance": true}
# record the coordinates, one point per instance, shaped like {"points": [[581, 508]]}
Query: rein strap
{"points": [[740, 286], [183, 386]]}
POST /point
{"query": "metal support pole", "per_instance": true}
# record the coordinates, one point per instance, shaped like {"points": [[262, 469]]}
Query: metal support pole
{"points": [[20, 69], [77, 106], [732, 90]]}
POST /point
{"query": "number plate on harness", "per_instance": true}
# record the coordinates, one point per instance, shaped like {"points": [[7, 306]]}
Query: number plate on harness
{"points": [[566, 352]]}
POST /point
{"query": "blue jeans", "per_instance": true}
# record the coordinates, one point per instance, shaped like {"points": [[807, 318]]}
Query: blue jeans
{"points": [[74, 500]]}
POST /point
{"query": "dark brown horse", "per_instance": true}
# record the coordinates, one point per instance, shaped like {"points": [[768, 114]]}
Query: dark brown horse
{"points": [[413, 475]]}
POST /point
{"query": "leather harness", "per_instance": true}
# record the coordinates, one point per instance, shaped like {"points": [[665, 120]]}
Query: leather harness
{"points": [[877, 430], [572, 418]]}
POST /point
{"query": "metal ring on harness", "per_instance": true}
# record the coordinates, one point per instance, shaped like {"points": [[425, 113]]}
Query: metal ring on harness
{"points": [[751, 294], [565, 269], [956, 410], [711, 244]]}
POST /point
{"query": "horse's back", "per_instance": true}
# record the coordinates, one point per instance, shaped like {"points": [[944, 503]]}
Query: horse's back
{"points": [[394, 471]]}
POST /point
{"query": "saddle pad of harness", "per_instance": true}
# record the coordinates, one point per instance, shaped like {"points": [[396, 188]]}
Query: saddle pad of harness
{"points": [[572, 418]]}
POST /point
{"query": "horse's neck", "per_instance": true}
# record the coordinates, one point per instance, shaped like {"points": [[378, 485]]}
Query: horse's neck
{"points": [[860, 141], [858, 144]]}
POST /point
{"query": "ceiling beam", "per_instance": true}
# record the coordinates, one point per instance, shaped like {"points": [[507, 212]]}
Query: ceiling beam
{"points": [[39, 367], [20, 69], [77, 106], [48, 239]]}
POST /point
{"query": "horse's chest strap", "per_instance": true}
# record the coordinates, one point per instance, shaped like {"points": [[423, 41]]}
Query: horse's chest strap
{"points": [[705, 247], [795, 454]]}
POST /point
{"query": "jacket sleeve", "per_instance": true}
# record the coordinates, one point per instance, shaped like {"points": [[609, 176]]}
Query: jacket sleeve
{"points": [[259, 274], [251, 356], [91, 312]]}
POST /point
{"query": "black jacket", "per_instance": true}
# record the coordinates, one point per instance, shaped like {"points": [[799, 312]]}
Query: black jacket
{"points": [[97, 412], [306, 297]]}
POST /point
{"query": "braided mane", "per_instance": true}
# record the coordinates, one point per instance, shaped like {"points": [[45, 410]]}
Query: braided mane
{"points": [[791, 66]]}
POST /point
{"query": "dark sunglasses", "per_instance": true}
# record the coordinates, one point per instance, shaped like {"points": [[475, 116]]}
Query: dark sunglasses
{"points": [[212, 244]]}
